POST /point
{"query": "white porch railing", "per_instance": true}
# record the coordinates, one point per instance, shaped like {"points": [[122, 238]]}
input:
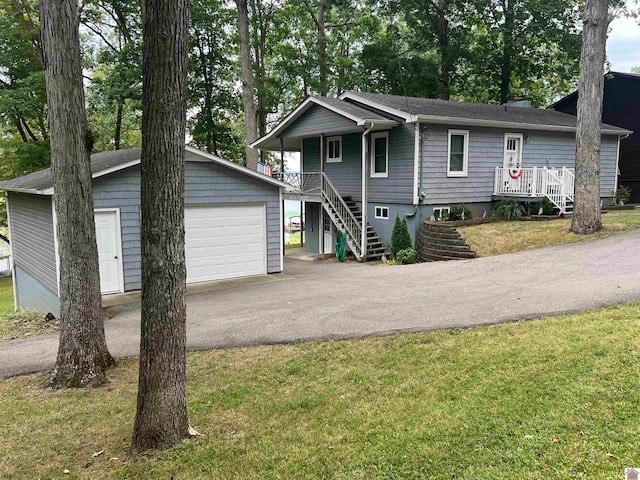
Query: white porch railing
{"points": [[317, 183], [555, 184]]}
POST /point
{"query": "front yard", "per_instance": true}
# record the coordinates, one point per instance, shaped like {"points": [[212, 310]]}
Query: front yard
{"points": [[19, 325], [555, 398], [508, 237]]}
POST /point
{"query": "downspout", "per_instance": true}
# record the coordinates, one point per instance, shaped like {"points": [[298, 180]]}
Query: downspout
{"points": [[321, 210], [363, 240], [282, 211]]}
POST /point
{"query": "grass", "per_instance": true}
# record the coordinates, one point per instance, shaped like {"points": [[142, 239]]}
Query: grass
{"points": [[19, 325], [555, 398], [507, 237], [294, 239]]}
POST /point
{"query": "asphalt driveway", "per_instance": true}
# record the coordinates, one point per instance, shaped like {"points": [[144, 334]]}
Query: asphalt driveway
{"points": [[330, 300]]}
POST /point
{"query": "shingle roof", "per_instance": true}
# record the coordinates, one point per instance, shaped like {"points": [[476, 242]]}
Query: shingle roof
{"points": [[428, 107], [351, 109], [43, 179]]}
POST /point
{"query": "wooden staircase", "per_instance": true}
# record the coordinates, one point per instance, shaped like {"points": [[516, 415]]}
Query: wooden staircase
{"points": [[375, 247]]}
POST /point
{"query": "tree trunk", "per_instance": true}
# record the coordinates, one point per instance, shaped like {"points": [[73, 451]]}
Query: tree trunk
{"points": [[161, 416], [586, 208], [322, 50], [246, 71], [507, 53], [445, 56], [117, 137], [83, 357]]}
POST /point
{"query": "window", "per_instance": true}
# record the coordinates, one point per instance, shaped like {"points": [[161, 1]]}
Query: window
{"points": [[439, 211], [458, 157], [334, 149], [380, 154], [382, 212]]}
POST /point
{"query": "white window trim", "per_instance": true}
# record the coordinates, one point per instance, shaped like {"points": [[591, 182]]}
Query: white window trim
{"points": [[444, 207], [507, 136], [333, 139], [382, 208], [372, 166], [465, 158]]}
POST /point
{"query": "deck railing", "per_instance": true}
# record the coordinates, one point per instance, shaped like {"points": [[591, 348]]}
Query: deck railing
{"points": [[304, 183], [555, 184]]}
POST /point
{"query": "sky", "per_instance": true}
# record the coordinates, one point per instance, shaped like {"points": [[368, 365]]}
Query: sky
{"points": [[623, 44]]}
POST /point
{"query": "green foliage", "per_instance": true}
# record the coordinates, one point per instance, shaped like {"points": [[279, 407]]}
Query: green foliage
{"points": [[455, 213], [509, 209], [406, 256], [400, 237], [623, 194], [547, 207]]}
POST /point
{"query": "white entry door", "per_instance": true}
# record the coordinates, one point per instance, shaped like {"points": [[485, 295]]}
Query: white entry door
{"points": [[109, 251], [225, 241], [327, 228]]}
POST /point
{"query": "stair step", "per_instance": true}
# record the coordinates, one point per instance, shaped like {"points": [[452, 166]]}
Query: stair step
{"points": [[447, 253]]}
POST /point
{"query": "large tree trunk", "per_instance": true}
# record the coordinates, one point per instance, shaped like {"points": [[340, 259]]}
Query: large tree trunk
{"points": [[322, 50], [117, 137], [445, 54], [507, 53], [586, 208], [246, 71], [83, 357], [161, 416]]}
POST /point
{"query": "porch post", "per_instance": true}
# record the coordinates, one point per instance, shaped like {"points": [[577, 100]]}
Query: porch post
{"points": [[534, 183], [282, 206], [363, 241], [322, 212]]}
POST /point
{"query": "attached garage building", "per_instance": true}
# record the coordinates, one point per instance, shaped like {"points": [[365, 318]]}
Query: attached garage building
{"points": [[233, 225]]}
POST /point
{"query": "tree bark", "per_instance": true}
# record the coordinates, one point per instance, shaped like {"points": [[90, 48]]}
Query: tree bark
{"points": [[246, 70], [83, 357], [322, 50], [586, 208], [117, 137], [161, 416], [507, 53], [445, 54]]}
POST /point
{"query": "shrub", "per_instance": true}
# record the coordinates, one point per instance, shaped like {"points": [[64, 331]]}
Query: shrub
{"points": [[509, 209], [547, 207], [455, 213], [406, 256], [622, 195], [400, 238]]}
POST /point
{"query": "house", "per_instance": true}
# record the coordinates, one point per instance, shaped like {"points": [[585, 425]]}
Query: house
{"points": [[366, 158], [621, 107], [233, 225]]}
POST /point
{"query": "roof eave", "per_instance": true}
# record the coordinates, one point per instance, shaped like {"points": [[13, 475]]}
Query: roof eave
{"points": [[502, 124], [31, 191], [406, 116]]}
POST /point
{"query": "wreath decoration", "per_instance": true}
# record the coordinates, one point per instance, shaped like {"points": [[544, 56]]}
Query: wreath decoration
{"points": [[515, 173]]}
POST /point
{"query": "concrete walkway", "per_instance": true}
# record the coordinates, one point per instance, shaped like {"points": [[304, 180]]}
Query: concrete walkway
{"points": [[321, 300]]}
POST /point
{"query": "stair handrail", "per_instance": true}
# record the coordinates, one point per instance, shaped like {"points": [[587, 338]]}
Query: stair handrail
{"points": [[339, 207]]}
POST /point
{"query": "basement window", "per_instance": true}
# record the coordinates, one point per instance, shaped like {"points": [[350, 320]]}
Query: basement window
{"points": [[438, 212], [382, 212]]}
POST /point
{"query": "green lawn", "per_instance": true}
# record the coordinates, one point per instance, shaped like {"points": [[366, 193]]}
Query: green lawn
{"points": [[555, 398], [507, 237], [294, 239], [19, 325]]}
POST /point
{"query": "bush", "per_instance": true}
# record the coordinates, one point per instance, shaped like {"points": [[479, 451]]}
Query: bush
{"points": [[622, 195], [547, 207], [509, 209], [406, 256], [400, 238], [455, 213]]}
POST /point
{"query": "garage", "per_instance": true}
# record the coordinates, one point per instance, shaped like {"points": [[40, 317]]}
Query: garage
{"points": [[225, 241]]}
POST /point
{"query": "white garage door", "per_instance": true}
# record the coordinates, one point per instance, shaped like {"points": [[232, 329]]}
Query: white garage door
{"points": [[225, 242]]}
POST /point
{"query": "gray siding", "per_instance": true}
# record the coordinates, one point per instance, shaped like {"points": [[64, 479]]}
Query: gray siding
{"points": [[122, 190], [311, 155], [398, 186], [347, 175], [34, 253], [33, 295], [384, 228], [205, 184], [319, 120], [486, 152]]}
